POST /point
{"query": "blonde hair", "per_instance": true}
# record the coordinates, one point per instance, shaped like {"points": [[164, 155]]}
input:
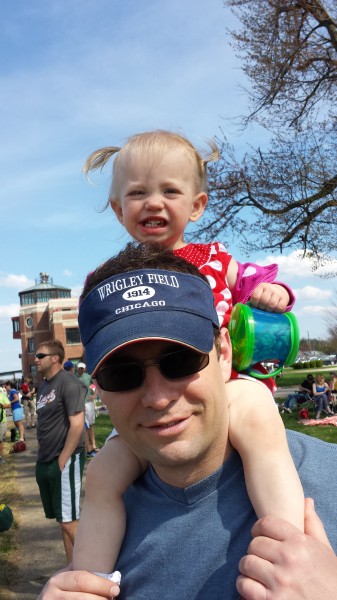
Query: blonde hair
{"points": [[319, 379], [148, 144]]}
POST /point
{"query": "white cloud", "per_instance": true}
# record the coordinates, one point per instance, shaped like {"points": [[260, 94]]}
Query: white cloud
{"points": [[314, 309], [309, 292], [11, 310], [295, 265], [15, 281], [67, 273]]}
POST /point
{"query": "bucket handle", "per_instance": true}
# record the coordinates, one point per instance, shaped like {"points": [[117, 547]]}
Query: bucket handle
{"points": [[259, 375]]}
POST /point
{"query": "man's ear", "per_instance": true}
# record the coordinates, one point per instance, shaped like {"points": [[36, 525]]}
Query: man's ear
{"points": [[116, 207], [199, 205], [225, 354]]}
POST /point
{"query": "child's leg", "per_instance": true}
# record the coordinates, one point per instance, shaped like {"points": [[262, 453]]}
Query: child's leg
{"points": [[256, 431], [101, 526]]}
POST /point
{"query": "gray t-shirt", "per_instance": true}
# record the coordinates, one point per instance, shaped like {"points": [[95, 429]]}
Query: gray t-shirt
{"points": [[186, 543], [58, 398]]}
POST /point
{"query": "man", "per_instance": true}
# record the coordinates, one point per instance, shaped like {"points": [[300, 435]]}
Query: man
{"points": [[69, 366], [60, 434], [4, 404], [189, 518], [303, 395], [90, 415]]}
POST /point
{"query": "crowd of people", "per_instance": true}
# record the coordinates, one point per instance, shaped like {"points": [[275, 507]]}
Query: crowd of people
{"points": [[314, 391]]}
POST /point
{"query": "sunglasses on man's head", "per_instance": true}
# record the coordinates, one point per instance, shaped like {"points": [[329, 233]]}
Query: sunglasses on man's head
{"points": [[123, 376]]}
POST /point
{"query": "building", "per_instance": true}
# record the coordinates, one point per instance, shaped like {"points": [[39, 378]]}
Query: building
{"points": [[47, 311]]}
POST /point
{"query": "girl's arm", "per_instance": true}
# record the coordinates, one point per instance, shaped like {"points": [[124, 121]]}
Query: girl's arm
{"points": [[101, 527], [256, 431]]}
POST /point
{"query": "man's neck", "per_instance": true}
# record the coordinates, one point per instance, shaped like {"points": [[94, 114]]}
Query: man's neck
{"points": [[54, 369]]}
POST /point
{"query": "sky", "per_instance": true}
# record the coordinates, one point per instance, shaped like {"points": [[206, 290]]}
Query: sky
{"points": [[81, 74]]}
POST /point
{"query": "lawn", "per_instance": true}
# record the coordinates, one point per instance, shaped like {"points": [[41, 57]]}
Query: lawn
{"points": [[8, 539], [327, 433], [291, 376]]}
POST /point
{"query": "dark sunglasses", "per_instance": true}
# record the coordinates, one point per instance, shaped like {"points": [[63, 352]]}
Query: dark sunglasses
{"points": [[124, 376], [40, 355]]}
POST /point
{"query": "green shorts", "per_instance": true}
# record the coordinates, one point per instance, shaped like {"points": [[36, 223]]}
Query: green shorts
{"points": [[61, 491]]}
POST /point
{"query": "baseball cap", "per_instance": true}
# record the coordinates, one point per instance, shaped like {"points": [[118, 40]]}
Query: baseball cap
{"points": [[68, 365], [81, 365], [143, 304]]}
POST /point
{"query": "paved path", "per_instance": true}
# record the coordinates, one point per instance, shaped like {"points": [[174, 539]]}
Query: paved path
{"points": [[40, 543]]}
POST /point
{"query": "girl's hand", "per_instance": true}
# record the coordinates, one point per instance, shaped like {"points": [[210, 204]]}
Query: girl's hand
{"points": [[270, 297], [78, 585]]}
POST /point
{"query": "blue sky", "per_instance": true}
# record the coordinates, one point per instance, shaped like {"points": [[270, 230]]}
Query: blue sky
{"points": [[77, 75]]}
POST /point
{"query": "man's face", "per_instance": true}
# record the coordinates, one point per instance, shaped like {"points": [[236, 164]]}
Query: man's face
{"points": [[180, 426], [45, 365]]}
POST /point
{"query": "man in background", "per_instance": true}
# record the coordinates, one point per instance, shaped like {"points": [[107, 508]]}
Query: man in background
{"points": [[60, 434]]}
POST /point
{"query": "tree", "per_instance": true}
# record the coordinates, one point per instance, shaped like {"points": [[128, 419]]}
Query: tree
{"points": [[286, 196]]}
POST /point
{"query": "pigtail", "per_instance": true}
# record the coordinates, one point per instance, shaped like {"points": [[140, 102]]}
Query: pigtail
{"points": [[98, 159], [213, 155]]}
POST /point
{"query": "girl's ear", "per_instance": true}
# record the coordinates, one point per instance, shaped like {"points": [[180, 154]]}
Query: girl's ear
{"points": [[116, 207], [199, 205]]}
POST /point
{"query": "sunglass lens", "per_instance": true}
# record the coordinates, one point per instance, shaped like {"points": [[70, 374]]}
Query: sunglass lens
{"points": [[120, 378], [183, 363]]}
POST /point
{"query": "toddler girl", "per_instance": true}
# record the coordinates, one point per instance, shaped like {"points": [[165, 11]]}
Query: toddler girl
{"points": [[159, 185]]}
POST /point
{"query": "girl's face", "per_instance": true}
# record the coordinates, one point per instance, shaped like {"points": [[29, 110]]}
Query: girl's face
{"points": [[158, 198]]}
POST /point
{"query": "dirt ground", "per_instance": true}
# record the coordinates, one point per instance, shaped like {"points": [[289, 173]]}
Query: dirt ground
{"points": [[41, 551]]}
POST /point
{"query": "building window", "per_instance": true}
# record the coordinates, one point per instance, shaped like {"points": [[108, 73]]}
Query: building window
{"points": [[29, 322], [73, 335], [16, 325], [31, 345], [27, 299]]}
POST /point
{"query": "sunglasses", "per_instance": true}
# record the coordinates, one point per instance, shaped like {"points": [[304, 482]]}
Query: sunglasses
{"points": [[122, 376], [40, 355]]}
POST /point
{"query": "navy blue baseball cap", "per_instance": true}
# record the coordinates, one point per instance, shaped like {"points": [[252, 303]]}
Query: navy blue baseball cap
{"points": [[68, 365], [143, 304]]}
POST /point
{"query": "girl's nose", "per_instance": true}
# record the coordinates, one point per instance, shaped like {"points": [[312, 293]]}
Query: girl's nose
{"points": [[154, 202]]}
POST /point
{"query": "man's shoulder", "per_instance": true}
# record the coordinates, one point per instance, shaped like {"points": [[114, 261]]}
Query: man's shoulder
{"points": [[305, 446]]}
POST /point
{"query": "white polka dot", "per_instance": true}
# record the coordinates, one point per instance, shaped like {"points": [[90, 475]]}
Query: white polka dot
{"points": [[215, 264], [226, 293], [222, 307], [211, 281], [249, 271]]}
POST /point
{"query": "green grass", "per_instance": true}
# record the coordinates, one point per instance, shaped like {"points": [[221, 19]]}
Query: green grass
{"points": [[8, 539], [327, 433], [102, 429], [291, 376]]}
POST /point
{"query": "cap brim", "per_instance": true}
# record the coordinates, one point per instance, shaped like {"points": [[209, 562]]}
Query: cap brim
{"points": [[177, 326]]}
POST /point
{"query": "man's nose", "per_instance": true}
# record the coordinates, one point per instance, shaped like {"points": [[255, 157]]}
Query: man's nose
{"points": [[157, 391]]}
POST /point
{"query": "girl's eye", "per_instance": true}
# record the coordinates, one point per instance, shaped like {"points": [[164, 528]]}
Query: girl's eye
{"points": [[136, 193], [171, 191]]}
